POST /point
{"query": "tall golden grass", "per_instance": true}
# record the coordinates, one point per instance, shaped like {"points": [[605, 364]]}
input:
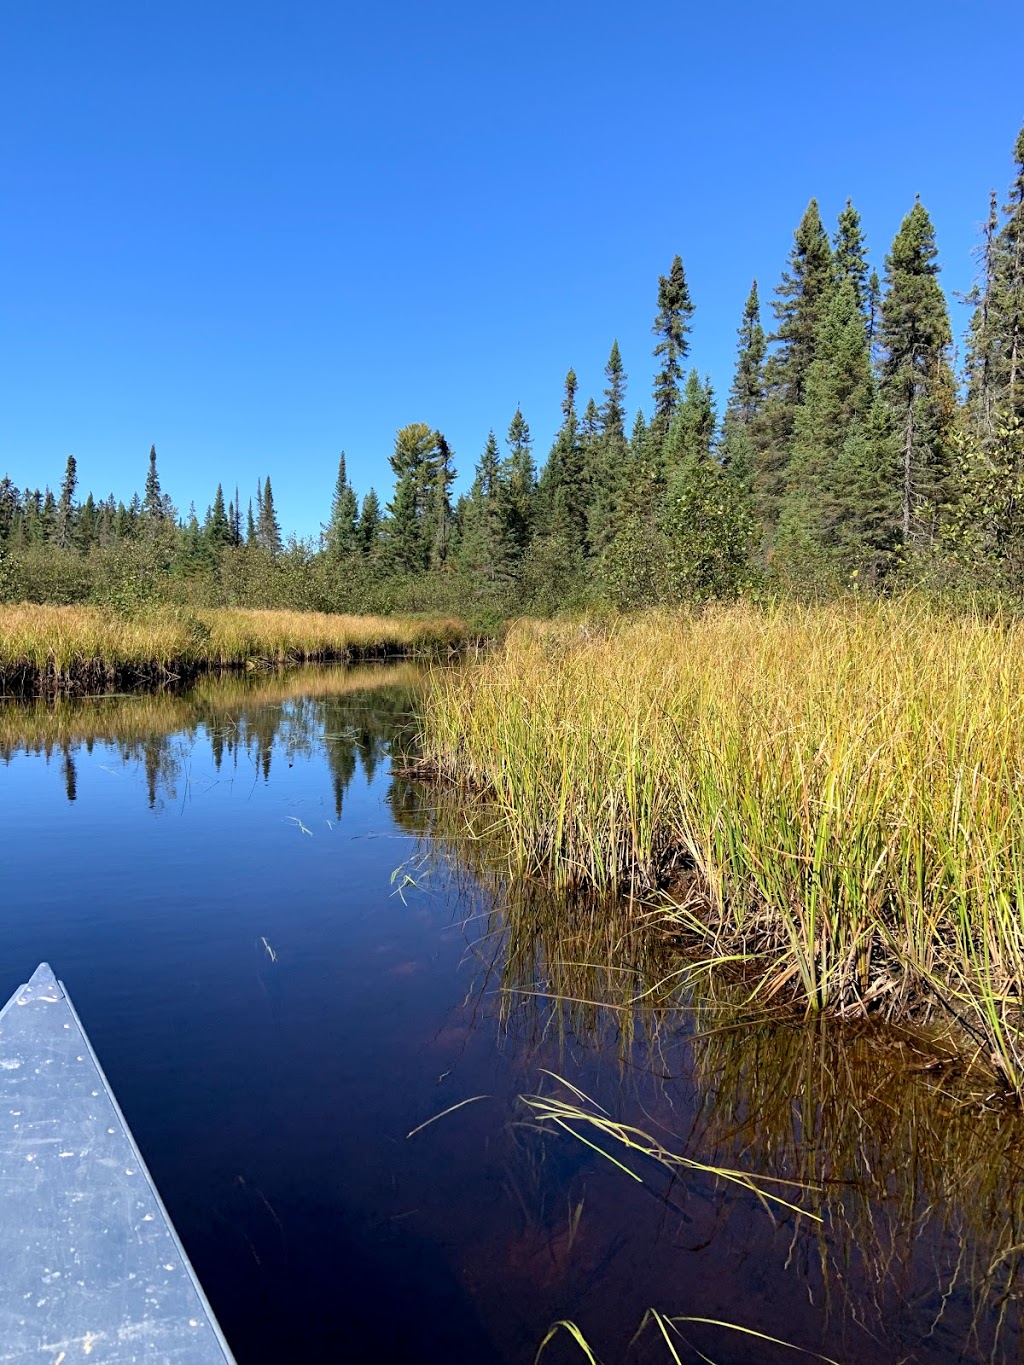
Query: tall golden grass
{"points": [[43, 646], [833, 792]]}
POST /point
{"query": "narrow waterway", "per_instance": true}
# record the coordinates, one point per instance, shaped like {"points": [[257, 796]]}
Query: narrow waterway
{"points": [[289, 957]]}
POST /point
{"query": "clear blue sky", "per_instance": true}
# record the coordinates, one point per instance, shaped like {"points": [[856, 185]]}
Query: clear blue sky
{"points": [[256, 234]]}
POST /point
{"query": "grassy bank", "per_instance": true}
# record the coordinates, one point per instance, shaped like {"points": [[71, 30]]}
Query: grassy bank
{"points": [[833, 794], [89, 648]]}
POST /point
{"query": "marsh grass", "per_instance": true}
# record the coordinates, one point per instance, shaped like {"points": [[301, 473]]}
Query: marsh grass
{"points": [[91, 648], [834, 793]]}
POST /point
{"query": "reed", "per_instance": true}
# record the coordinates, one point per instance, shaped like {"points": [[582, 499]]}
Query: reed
{"points": [[832, 793], [46, 648]]}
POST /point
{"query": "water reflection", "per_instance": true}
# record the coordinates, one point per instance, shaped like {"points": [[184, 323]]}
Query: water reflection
{"points": [[353, 716]]}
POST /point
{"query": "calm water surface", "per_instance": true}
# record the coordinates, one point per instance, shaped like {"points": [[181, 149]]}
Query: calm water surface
{"points": [[288, 958]]}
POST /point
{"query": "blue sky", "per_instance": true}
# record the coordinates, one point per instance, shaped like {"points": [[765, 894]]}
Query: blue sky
{"points": [[258, 234]]}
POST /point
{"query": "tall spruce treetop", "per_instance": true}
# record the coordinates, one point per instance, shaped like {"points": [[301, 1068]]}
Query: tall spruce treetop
{"points": [[613, 409], [152, 503], [916, 377], [341, 529], [747, 392], [851, 255], [268, 528], [996, 349], [801, 302], [671, 327], [66, 503]]}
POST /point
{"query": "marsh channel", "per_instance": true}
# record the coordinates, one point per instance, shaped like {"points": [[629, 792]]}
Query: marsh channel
{"points": [[290, 955]]}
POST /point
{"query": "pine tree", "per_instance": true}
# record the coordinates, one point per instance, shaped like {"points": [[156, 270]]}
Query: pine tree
{"points": [[672, 328], [268, 528], [851, 255], [64, 517], [250, 525], [340, 534], [916, 378]]}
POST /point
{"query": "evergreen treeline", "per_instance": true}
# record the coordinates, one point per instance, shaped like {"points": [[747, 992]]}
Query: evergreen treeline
{"points": [[849, 455]]}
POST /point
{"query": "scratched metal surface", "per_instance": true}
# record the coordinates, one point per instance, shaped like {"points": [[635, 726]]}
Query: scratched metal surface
{"points": [[90, 1266]]}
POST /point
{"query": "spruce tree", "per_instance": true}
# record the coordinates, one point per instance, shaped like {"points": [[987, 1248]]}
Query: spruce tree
{"points": [[851, 255], [995, 358], [268, 528], [802, 299], [406, 542], [561, 490], [746, 396], [340, 535], [154, 508], [438, 506], [486, 550], [63, 526], [983, 341], [831, 428], [217, 527], [368, 529], [672, 328], [250, 526], [613, 410], [605, 454], [916, 377], [692, 433], [519, 483]]}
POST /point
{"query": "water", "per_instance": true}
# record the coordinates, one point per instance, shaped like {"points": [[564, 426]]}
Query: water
{"points": [[288, 958]]}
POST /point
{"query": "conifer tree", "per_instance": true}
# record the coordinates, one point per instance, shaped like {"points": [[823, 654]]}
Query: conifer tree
{"points": [[438, 505], [217, 527], [63, 523], [982, 341], [916, 378], [692, 433], [802, 298], [831, 426], [995, 357], [154, 508], [486, 549], [605, 454], [672, 328], [250, 526], [268, 528], [519, 483], [746, 396], [613, 410], [851, 255], [368, 529], [561, 490], [341, 529]]}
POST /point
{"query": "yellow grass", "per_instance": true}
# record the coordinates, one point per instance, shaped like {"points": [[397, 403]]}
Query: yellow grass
{"points": [[92, 646], [842, 786]]}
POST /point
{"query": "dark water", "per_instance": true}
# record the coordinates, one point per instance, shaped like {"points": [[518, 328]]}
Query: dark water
{"points": [[288, 959]]}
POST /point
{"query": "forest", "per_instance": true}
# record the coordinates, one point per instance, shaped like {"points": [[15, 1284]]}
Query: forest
{"points": [[854, 454]]}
